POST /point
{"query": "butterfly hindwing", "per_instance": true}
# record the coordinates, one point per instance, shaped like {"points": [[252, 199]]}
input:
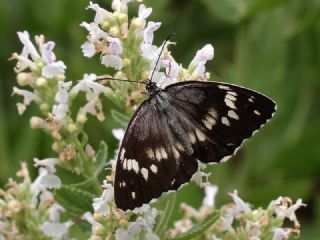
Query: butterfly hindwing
{"points": [[185, 122], [222, 115]]}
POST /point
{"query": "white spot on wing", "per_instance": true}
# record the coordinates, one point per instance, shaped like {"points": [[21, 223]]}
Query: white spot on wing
{"points": [[154, 168], [223, 87], [232, 93], [124, 184], [135, 165], [129, 164], [150, 154], [124, 164], [225, 121], [163, 153], [231, 97], [145, 173], [133, 194], [158, 155], [176, 154], [180, 147], [229, 103], [232, 114], [122, 154], [192, 137], [200, 135], [213, 113], [257, 112]]}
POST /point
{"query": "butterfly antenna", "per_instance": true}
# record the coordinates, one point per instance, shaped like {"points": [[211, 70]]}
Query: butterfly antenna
{"points": [[164, 44], [121, 80]]}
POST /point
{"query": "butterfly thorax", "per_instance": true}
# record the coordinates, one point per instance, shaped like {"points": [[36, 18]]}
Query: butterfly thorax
{"points": [[152, 88]]}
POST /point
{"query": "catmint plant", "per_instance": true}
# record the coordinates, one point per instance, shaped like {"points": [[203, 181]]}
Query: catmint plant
{"points": [[48, 208]]}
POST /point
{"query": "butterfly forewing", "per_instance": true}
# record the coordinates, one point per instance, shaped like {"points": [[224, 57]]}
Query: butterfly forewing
{"points": [[185, 122]]}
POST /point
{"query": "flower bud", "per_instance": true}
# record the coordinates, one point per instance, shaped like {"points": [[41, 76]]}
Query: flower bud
{"points": [[37, 122], [136, 23], [98, 217], [41, 82], [72, 128], [114, 31], [56, 147], [126, 62], [44, 107], [60, 77], [123, 17], [105, 25], [81, 119], [25, 79], [99, 230]]}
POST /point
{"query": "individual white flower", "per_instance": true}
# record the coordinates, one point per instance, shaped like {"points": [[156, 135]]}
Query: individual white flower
{"points": [[120, 5], [28, 47], [56, 230], [94, 30], [112, 61], [144, 12], [280, 234], [240, 206], [149, 214], [45, 180], [101, 14], [199, 71], [204, 54], [148, 33], [215, 238], [161, 80], [101, 204], [210, 194], [48, 163], [89, 85], [115, 46], [150, 52], [60, 109], [47, 54], [226, 221], [54, 212], [118, 133], [172, 69], [89, 218], [28, 97], [88, 49], [53, 69], [134, 228], [283, 211]]}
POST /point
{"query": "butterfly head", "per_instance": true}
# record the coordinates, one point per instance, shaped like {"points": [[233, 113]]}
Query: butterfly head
{"points": [[152, 88]]}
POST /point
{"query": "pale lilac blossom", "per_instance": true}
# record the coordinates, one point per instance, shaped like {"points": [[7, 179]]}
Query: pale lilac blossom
{"points": [[28, 97], [88, 49], [240, 206], [53, 69], [94, 30], [61, 108], [118, 133], [112, 61], [89, 85], [281, 234], [48, 163], [101, 14], [56, 230], [28, 47], [148, 33], [144, 12], [203, 55], [101, 204]]}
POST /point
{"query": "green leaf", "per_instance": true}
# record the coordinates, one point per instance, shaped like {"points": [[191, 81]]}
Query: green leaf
{"points": [[101, 158], [120, 118], [74, 200], [199, 229]]}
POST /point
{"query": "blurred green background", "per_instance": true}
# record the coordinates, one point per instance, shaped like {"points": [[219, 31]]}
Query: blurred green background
{"points": [[272, 46]]}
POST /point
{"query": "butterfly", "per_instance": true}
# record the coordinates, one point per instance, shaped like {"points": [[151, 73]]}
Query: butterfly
{"points": [[178, 126]]}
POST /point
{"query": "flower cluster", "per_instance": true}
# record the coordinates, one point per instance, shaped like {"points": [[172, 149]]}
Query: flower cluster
{"points": [[28, 209], [239, 220], [127, 46]]}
